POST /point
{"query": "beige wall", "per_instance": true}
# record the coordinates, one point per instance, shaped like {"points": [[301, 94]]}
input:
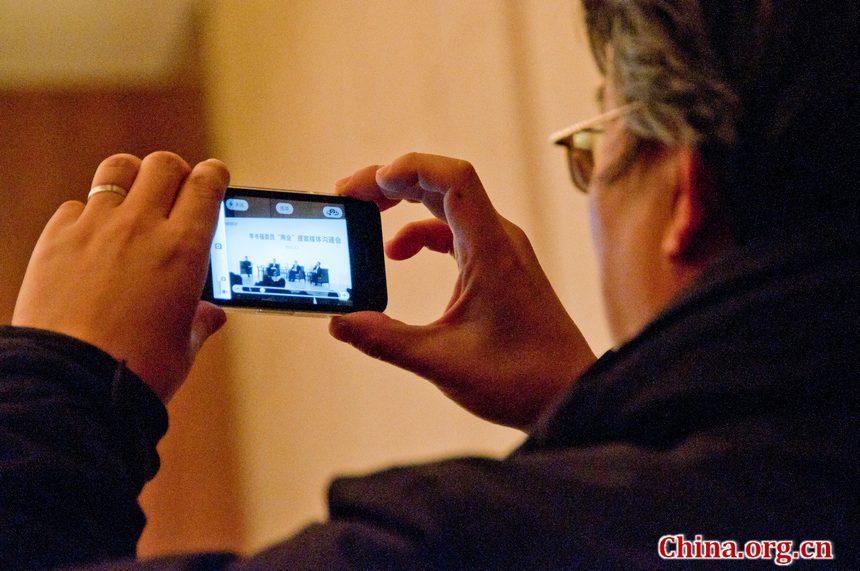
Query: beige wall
{"points": [[302, 93], [299, 94]]}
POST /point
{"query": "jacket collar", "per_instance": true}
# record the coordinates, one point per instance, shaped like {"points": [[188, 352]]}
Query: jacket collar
{"points": [[765, 327]]}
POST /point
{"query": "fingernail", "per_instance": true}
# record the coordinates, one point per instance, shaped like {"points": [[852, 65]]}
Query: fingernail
{"points": [[339, 328], [342, 182], [382, 171]]}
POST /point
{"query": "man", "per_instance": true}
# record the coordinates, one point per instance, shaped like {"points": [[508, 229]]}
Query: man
{"points": [[245, 267], [721, 187]]}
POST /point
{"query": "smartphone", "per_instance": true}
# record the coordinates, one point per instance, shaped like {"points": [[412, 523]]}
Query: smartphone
{"points": [[296, 252]]}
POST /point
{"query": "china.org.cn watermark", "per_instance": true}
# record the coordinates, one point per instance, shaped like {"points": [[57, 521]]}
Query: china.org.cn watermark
{"points": [[781, 552]]}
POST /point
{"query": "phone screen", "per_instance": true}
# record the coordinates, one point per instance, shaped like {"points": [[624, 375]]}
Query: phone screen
{"points": [[296, 252]]}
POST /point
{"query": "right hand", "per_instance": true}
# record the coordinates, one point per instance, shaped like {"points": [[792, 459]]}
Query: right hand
{"points": [[504, 348]]}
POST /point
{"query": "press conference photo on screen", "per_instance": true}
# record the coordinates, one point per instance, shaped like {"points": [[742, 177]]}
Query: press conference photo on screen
{"points": [[296, 252]]}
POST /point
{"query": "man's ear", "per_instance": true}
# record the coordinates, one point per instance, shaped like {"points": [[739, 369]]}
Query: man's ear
{"points": [[695, 227]]}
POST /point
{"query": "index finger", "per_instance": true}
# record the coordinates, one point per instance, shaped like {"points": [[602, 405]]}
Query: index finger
{"points": [[199, 200], [160, 176], [448, 187], [362, 185]]}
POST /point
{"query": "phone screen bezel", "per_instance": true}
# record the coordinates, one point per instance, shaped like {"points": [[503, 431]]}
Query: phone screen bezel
{"points": [[367, 260]]}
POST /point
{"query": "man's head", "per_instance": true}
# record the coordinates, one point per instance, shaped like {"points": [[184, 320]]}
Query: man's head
{"points": [[740, 131]]}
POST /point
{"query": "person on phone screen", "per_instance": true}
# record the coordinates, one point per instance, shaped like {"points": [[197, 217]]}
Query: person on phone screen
{"points": [[273, 270], [245, 267], [721, 178], [296, 272]]}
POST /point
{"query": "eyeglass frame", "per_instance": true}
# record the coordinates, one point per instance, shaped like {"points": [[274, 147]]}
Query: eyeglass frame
{"points": [[567, 138]]}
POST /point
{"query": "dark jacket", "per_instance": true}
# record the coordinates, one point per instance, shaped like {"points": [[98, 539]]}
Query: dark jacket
{"points": [[732, 416]]}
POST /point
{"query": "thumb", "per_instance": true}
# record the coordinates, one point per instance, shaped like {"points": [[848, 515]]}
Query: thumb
{"points": [[208, 319], [381, 337]]}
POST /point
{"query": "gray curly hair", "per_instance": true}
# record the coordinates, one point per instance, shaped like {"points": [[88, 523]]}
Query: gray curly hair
{"points": [[661, 59], [762, 88]]}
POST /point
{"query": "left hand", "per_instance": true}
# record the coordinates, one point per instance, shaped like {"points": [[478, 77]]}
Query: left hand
{"points": [[126, 274], [504, 348]]}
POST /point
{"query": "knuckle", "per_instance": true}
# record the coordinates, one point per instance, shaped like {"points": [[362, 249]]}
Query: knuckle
{"points": [[518, 234], [464, 170], [216, 166], [70, 207], [211, 175], [168, 160], [121, 161], [65, 215]]}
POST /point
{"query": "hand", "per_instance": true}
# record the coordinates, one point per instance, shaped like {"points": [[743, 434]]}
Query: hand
{"points": [[504, 348], [126, 274]]}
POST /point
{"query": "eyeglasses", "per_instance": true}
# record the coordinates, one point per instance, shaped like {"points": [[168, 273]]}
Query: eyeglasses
{"points": [[581, 139]]}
